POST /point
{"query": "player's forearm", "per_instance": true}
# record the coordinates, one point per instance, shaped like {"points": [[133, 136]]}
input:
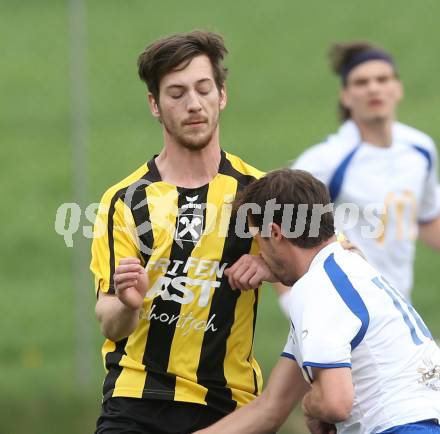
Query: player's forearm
{"points": [[258, 417], [316, 405], [429, 233], [116, 320]]}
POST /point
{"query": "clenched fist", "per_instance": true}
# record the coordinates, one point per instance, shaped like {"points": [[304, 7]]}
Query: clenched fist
{"points": [[131, 282]]}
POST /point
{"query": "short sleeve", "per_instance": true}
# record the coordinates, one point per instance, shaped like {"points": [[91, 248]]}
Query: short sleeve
{"points": [[114, 237], [289, 349], [430, 203], [326, 334], [329, 323], [325, 159], [312, 161]]}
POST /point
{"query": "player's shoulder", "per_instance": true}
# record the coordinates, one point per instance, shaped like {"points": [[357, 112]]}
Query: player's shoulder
{"points": [[332, 150], [335, 269], [313, 294], [121, 186], [312, 286], [242, 167], [412, 136]]}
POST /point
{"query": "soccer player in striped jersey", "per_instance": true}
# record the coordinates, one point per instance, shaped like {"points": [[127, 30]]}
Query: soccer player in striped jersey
{"points": [[358, 357], [388, 170], [179, 348]]}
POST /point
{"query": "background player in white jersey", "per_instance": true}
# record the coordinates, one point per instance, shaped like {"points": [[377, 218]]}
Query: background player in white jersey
{"points": [[386, 169], [358, 355]]}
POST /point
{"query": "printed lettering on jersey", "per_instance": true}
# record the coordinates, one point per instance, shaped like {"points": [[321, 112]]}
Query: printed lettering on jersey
{"points": [[186, 322], [175, 284], [401, 210]]}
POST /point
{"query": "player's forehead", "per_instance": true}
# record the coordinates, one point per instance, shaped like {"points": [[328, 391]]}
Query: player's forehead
{"points": [[371, 69], [198, 69]]}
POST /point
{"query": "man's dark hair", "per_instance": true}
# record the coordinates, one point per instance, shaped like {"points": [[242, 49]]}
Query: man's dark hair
{"points": [[341, 55], [290, 187], [176, 51]]}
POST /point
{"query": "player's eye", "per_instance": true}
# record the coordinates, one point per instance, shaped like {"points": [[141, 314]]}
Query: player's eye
{"points": [[360, 82], [175, 92], [383, 78], [204, 88]]}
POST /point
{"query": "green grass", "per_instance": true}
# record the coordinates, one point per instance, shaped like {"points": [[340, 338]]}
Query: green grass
{"points": [[281, 100]]}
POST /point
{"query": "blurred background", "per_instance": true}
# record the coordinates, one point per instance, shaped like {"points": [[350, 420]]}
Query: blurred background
{"points": [[74, 120]]}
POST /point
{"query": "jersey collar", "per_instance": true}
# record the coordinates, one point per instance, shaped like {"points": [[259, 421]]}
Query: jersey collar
{"points": [[325, 252]]}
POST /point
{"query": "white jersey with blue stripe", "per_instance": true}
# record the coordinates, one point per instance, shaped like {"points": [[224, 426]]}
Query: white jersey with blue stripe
{"points": [[393, 189], [344, 314]]}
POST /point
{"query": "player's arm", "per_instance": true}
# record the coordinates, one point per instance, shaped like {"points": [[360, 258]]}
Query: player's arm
{"points": [[118, 314], [120, 290], [330, 398], [248, 272], [429, 208], [429, 233], [285, 388]]}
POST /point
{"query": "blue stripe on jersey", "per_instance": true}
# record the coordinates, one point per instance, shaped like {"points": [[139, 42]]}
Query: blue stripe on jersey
{"points": [[335, 183], [425, 154], [395, 297], [426, 427], [327, 365], [350, 296], [288, 355], [416, 316]]}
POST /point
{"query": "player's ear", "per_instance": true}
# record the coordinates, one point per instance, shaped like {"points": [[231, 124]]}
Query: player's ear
{"points": [[344, 98], [275, 232], [154, 106], [223, 97], [400, 91]]}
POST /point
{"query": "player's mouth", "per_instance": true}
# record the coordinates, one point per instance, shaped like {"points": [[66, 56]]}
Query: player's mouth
{"points": [[375, 103], [195, 123]]}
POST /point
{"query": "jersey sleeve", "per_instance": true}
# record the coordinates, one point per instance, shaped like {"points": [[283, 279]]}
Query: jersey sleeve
{"points": [[324, 159], [289, 349], [430, 204], [326, 329], [312, 161], [114, 237]]}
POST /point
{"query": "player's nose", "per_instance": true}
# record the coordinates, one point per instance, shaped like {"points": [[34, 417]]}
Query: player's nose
{"points": [[193, 104]]}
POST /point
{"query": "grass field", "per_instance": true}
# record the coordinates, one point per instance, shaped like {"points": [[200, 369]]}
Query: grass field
{"points": [[281, 100]]}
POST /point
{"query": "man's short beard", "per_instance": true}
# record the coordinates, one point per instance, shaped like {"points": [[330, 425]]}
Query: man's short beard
{"points": [[286, 280], [195, 145]]}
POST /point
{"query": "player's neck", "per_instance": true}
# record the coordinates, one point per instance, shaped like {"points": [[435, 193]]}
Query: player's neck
{"points": [[377, 133], [187, 168], [303, 257]]}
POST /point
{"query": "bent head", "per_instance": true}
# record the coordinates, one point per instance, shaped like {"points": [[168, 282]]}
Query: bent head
{"points": [[185, 79], [293, 218], [371, 89]]}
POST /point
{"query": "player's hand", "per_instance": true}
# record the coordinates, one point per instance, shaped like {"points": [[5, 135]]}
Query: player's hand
{"points": [[348, 245], [249, 272], [131, 282], [316, 426]]}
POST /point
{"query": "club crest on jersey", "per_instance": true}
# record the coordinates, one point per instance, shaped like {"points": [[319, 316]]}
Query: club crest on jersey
{"points": [[189, 225], [430, 374]]}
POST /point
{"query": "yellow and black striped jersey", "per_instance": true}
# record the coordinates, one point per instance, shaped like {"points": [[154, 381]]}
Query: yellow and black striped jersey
{"points": [[194, 340]]}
